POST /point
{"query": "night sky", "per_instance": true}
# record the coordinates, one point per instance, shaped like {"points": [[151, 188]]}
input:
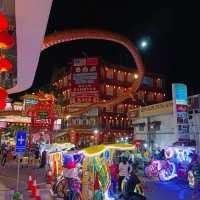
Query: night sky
{"points": [[171, 30]]}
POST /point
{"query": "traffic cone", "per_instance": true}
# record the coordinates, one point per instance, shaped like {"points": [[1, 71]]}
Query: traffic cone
{"points": [[49, 177], [29, 183], [37, 196], [34, 188]]}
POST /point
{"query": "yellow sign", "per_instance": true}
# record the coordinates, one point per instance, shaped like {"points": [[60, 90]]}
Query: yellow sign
{"points": [[156, 109]]}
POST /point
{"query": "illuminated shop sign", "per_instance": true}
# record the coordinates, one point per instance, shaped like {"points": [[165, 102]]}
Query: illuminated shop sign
{"points": [[180, 109], [31, 101], [181, 93]]}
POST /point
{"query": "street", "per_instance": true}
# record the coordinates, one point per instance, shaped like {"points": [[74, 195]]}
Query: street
{"points": [[176, 189], [8, 180]]}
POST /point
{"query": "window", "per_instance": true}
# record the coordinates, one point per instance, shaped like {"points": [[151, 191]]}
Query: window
{"points": [[103, 72], [130, 77], [157, 127], [102, 88], [141, 127], [120, 91], [159, 83], [141, 95], [120, 76], [109, 90], [150, 96], [159, 97], [109, 109], [120, 108], [109, 74], [147, 81], [190, 111]]}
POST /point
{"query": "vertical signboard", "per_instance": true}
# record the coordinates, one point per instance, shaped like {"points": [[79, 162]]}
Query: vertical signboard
{"points": [[20, 141], [85, 80], [180, 110]]}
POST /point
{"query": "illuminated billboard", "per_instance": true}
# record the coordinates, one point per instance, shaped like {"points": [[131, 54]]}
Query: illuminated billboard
{"points": [[180, 110]]}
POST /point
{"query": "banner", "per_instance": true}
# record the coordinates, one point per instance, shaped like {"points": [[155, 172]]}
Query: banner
{"points": [[180, 110], [85, 81]]}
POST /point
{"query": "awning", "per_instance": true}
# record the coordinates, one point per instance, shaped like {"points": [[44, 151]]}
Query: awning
{"points": [[139, 124], [156, 123]]}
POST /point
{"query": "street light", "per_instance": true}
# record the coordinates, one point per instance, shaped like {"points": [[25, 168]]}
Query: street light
{"points": [[135, 76], [68, 116], [96, 131]]}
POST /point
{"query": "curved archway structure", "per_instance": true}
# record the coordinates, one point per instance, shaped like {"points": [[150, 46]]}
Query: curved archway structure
{"points": [[85, 34]]}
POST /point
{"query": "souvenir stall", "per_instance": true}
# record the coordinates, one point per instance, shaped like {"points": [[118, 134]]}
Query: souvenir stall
{"points": [[55, 157], [90, 166], [96, 179]]}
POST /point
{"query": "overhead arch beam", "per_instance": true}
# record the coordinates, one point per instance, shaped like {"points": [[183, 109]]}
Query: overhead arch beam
{"points": [[85, 34]]}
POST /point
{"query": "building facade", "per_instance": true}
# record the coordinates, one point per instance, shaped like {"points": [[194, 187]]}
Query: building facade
{"points": [[90, 80], [156, 125]]}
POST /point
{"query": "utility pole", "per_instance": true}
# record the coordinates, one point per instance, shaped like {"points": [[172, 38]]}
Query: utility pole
{"points": [[148, 133]]}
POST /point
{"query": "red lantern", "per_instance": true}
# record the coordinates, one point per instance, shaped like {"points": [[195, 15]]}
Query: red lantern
{"points": [[6, 40], [2, 105], [3, 23], [5, 65], [3, 94]]}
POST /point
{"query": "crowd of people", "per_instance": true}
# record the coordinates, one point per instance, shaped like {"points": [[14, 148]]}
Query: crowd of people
{"points": [[6, 153], [31, 157], [124, 179], [122, 169]]}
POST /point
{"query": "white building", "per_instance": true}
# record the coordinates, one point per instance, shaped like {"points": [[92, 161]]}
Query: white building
{"points": [[157, 126]]}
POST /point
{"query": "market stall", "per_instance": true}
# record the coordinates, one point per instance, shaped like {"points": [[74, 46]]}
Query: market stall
{"points": [[96, 179], [55, 157], [89, 168]]}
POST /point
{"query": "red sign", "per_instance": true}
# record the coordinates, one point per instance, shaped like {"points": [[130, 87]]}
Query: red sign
{"points": [[42, 116], [85, 81], [181, 108], [92, 61]]}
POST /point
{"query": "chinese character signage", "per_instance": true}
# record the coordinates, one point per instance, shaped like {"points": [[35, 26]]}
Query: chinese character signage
{"points": [[84, 81], [180, 109]]}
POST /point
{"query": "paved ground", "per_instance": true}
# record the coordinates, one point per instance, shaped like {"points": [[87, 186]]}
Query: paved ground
{"points": [[8, 180], [176, 189]]}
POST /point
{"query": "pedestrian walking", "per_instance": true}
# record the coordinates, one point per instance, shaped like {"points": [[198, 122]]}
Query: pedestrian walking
{"points": [[4, 157], [196, 171], [37, 156], [114, 172], [43, 159], [124, 169]]}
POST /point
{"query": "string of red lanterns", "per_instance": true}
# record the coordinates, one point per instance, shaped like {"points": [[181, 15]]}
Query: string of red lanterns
{"points": [[3, 23], [3, 97], [5, 64], [6, 42]]}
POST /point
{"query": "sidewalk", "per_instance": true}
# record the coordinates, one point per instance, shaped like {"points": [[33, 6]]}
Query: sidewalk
{"points": [[8, 180]]}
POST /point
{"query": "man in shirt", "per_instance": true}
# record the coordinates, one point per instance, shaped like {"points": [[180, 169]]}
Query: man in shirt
{"points": [[124, 169]]}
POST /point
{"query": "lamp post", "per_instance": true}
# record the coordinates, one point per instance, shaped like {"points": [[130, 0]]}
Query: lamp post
{"points": [[149, 133]]}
